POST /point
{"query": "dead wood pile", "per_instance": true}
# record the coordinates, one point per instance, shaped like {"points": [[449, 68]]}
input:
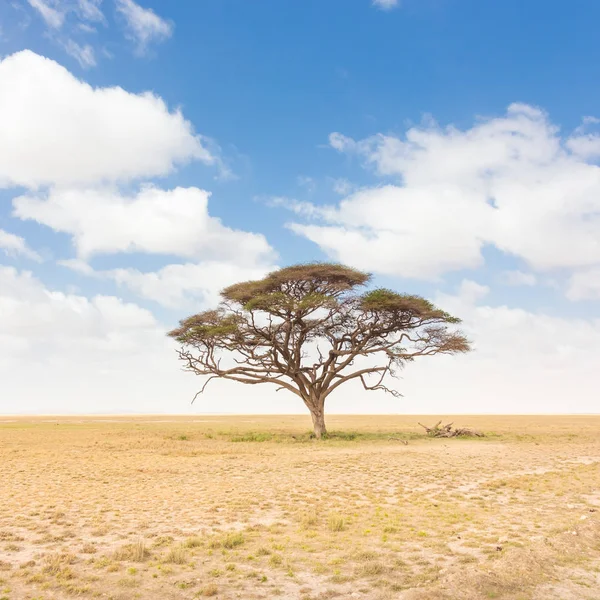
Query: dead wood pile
{"points": [[446, 431]]}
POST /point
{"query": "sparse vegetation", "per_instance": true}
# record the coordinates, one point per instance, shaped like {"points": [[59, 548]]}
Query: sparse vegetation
{"points": [[135, 552], [177, 555], [193, 542], [277, 515], [336, 523]]}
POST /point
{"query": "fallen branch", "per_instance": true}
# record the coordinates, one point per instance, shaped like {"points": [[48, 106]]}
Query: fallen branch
{"points": [[446, 431]]}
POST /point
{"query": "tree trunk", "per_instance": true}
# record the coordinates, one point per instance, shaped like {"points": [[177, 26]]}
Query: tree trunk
{"points": [[318, 419]]}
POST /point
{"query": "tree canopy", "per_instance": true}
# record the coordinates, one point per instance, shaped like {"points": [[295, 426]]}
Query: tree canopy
{"points": [[310, 328]]}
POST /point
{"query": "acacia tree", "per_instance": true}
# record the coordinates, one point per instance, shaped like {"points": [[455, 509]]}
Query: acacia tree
{"points": [[302, 328]]}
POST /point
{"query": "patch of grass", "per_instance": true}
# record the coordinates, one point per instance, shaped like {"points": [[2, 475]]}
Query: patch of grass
{"points": [[208, 591], [193, 542], [177, 555], [336, 523], [252, 437], [163, 540], [233, 540], [310, 519], [58, 564], [135, 552], [371, 568], [128, 582], [12, 548], [276, 560]]}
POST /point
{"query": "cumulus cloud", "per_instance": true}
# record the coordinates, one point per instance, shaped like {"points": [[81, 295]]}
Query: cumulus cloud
{"points": [[586, 146], [524, 362], [144, 26], [584, 285], [14, 245], [44, 319], [70, 133], [186, 286], [67, 353], [155, 221], [511, 182], [86, 354], [101, 354], [394, 232]]}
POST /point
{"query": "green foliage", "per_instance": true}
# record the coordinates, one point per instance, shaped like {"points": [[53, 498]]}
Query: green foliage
{"points": [[281, 302], [384, 300], [298, 281], [207, 325]]}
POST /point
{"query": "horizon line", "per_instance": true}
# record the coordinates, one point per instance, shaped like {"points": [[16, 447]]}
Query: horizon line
{"points": [[303, 414]]}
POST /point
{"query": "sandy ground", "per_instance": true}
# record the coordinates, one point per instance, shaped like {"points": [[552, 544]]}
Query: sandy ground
{"points": [[249, 507]]}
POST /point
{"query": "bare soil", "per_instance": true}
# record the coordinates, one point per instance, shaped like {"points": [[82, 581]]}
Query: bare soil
{"points": [[251, 507]]}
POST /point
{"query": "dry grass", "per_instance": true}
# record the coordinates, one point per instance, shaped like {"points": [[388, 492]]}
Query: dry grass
{"points": [[136, 552], [253, 508]]}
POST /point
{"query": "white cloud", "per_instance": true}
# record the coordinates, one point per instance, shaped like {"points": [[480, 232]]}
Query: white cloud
{"points": [[63, 352], [517, 338], [89, 10], [55, 12], [15, 245], [186, 286], [386, 4], [70, 133], [84, 55], [67, 353], [524, 362], [343, 187], [305, 209], [518, 278], [65, 18], [511, 182], [396, 233], [169, 222], [53, 17], [101, 354], [585, 146], [78, 266], [584, 285], [143, 24], [584, 143], [43, 318]]}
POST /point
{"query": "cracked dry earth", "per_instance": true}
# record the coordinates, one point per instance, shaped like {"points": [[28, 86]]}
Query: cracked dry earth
{"points": [[243, 507]]}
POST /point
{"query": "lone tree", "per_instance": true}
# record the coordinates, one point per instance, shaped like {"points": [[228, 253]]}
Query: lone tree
{"points": [[302, 328]]}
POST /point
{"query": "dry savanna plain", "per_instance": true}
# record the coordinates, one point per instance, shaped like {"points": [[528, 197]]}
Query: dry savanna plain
{"points": [[252, 507]]}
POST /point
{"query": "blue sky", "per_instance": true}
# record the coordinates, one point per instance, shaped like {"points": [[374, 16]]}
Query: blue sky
{"points": [[448, 146]]}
